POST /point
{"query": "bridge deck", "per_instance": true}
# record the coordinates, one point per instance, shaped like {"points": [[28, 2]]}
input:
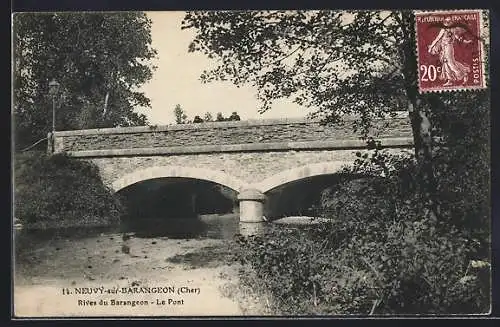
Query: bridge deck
{"points": [[239, 136]]}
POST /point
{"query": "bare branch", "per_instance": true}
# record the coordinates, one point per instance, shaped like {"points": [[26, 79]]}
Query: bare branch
{"points": [[288, 55]]}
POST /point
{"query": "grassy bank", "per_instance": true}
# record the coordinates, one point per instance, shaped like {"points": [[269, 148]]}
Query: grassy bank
{"points": [[381, 251], [56, 191]]}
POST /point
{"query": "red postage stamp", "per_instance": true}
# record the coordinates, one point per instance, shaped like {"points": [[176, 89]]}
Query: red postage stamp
{"points": [[450, 50]]}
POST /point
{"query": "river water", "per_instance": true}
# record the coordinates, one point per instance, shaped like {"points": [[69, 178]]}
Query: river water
{"points": [[195, 252], [222, 227], [215, 227]]}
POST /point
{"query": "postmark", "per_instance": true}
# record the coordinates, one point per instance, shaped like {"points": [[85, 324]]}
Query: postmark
{"points": [[450, 50]]}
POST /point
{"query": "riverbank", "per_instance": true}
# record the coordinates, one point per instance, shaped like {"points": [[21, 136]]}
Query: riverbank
{"points": [[59, 192], [197, 277]]}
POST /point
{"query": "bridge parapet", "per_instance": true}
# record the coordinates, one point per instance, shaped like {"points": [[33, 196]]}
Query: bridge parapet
{"points": [[223, 137]]}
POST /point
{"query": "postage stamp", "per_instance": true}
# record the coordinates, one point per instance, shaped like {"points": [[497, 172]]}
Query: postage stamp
{"points": [[450, 51]]}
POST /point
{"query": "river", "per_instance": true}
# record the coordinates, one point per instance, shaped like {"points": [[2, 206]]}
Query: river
{"points": [[172, 255]]}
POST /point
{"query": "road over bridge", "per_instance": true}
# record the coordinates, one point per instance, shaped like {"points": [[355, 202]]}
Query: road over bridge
{"points": [[251, 157]]}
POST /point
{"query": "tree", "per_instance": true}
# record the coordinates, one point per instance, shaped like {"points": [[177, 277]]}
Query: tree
{"points": [[180, 115], [220, 117], [99, 59], [234, 116], [338, 62], [208, 117]]}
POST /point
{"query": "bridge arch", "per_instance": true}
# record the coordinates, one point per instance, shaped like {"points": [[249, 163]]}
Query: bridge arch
{"points": [[298, 173], [215, 176]]}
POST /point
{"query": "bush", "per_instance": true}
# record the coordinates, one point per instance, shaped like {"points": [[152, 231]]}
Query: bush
{"points": [[56, 191], [381, 252]]}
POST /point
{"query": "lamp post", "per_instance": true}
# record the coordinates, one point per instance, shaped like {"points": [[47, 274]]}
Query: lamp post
{"points": [[53, 91]]}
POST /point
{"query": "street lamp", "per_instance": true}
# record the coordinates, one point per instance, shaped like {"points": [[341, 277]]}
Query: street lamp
{"points": [[53, 91]]}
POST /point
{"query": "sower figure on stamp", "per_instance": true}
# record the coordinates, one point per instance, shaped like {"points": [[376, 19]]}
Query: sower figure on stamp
{"points": [[443, 45]]}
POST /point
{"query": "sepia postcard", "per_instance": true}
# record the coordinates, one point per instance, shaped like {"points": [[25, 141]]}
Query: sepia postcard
{"points": [[251, 163]]}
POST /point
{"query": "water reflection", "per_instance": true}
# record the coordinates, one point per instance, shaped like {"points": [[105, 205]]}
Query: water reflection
{"points": [[209, 226], [202, 227], [214, 227], [29, 236]]}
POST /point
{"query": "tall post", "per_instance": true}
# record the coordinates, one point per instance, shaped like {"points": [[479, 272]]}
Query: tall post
{"points": [[251, 203], [53, 92], [53, 114], [52, 136]]}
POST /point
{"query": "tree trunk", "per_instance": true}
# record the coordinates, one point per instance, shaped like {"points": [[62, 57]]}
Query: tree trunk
{"points": [[420, 121], [422, 138], [106, 98]]}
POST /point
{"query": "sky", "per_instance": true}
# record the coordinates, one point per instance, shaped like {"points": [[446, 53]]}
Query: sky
{"points": [[176, 80]]}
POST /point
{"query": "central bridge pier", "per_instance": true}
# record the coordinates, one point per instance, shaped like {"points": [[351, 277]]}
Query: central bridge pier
{"points": [[251, 203], [252, 158]]}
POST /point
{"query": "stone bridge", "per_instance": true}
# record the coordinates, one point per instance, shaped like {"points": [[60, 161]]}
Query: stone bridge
{"points": [[251, 157]]}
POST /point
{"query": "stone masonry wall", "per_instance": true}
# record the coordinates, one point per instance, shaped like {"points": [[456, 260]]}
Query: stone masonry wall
{"points": [[249, 167], [226, 133]]}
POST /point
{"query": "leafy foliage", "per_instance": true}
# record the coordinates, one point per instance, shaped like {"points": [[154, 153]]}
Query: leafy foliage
{"points": [[99, 59], [379, 254], [182, 118], [360, 63], [208, 117], [404, 237], [462, 162], [234, 117], [219, 117], [338, 62], [56, 191], [180, 115], [197, 119]]}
